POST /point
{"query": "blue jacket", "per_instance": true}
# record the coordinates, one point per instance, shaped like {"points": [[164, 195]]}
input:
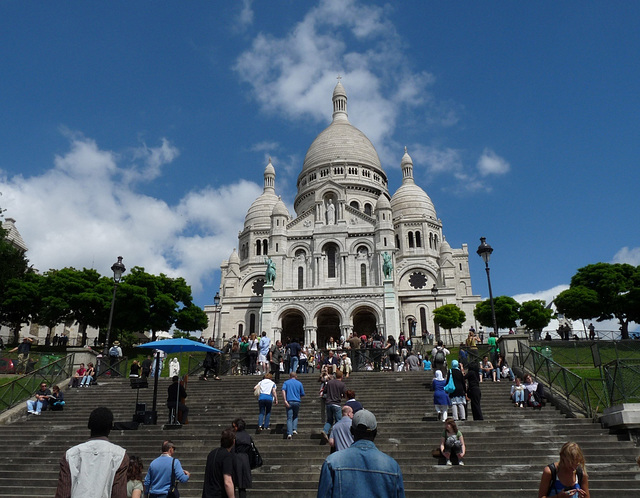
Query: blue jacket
{"points": [[360, 471], [158, 478]]}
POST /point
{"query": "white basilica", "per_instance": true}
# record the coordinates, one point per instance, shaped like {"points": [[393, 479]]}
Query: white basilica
{"points": [[329, 257]]}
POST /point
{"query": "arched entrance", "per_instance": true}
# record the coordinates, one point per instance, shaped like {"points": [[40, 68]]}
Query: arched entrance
{"points": [[364, 322], [328, 326], [293, 326]]}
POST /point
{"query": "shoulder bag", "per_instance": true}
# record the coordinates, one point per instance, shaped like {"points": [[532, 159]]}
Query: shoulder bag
{"points": [[451, 386], [173, 489], [255, 460]]}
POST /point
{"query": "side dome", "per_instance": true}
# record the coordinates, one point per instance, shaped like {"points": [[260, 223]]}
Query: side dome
{"points": [[410, 201], [234, 259], [280, 209], [259, 214], [383, 203]]}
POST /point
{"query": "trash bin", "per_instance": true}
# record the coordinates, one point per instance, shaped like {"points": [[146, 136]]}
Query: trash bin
{"points": [[547, 353]]}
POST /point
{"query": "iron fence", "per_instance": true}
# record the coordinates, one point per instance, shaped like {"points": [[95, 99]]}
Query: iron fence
{"points": [[22, 388]]}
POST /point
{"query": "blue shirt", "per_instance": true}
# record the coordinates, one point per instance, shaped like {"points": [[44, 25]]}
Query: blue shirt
{"points": [[158, 478], [293, 389], [360, 471], [264, 345]]}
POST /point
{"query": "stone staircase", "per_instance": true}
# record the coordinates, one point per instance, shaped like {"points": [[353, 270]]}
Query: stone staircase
{"points": [[505, 453]]}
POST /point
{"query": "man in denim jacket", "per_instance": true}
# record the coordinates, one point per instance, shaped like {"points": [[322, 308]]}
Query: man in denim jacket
{"points": [[362, 469]]}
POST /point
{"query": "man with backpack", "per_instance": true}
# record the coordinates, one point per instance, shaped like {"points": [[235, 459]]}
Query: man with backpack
{"points": [[115, 353], [439, 358]]}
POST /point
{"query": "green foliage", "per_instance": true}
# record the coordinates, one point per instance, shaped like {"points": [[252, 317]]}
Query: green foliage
{"points": [[186, 335], [534, 315], [169, 302], [71, 295], [506, 309], [605, 291], [21, 302], [578, 303], [449, 316]]}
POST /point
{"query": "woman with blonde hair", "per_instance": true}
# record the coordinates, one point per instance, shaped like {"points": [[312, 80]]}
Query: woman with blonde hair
{"points": [[567, 477]]}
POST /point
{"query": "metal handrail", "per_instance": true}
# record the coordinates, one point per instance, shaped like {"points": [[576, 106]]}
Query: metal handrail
{"points": [[23, 388], [578, 393]]}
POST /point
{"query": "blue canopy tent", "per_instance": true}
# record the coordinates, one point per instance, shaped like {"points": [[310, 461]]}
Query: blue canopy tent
{"points": [[172, 346]]}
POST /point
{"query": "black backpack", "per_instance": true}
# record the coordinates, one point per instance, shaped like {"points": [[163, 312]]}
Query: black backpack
{"points": [[439, 357], [554, 473]]}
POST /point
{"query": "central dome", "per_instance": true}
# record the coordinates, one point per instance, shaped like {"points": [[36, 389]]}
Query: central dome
{"points": [[341, 142]]}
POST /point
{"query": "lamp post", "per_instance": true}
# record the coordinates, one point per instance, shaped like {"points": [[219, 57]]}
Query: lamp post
{"points": [[216, 304], [484, 251], [118, 269], [436, 327]]}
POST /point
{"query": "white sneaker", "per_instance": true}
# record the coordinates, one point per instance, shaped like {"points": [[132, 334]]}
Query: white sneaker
{"points": [[449, 462], [295, 432], [461, 463]]}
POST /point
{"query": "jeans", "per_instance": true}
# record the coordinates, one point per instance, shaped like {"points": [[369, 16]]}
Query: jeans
{"points": [[86, 380], [518, 396], [35, 405], [265, 412], [292, 417], [294, 364], [334, 413]]}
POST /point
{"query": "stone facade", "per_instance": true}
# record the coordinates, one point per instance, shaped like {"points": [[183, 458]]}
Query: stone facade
{"points": [[329, 258]]}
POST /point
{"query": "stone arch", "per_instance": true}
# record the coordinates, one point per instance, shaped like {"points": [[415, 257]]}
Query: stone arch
{"points": [[328, 321], [365, 320], [293, 323]]}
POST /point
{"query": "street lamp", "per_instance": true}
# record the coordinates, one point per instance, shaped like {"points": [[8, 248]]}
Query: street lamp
{"points": [[118, 269], [436, 327], [484, 251], [216, 304]]}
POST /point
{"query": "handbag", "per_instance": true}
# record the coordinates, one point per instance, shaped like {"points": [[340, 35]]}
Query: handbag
{"points": [[255, 460], [256, 390], [173, 489], [451, 386]]}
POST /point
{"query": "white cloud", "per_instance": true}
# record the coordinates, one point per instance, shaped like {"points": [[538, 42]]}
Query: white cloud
{"points": [[80, 213], [626, 255], [547, 295], [492, 164], [245, 18], [153, 158], [293, 74]]}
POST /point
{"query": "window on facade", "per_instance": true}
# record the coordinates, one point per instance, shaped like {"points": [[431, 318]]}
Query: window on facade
{"points": [[252, 323], [423, 319], [397, 242], [385, 241], [354, 204], [276, 247], [240, 330], [258, 248], [418, 239], [300, 278], [435, 241], [430, 240], [410, 239], [265, 247], [363, 275], [367, 209], [331, 262]]}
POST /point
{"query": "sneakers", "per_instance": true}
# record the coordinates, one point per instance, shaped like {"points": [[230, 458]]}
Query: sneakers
{"points": [[324, 436], [461, 463], [295, 432], [289, 436], [449, 462], [521, 405]]}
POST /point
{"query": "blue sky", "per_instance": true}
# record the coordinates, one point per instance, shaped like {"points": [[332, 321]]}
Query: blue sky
{"points": [[142, 129]]}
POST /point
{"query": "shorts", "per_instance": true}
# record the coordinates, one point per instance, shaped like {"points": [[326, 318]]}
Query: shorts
{"points": [[262, 358]]}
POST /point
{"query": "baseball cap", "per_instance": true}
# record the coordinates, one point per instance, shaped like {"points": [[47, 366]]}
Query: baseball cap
{"points": [[366, 419]]}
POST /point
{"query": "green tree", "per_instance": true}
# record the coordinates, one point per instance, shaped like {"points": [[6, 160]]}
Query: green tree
{"points": [[170, 302], [534, 315], [14, 268], [617, 287], [578, 303], [506, 312], [21, 302], [72, 295], [449, 316]]}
